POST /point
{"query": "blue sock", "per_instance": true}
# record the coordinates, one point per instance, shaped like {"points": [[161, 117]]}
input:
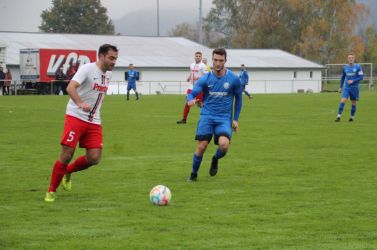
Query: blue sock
{"points": [[219, 154], [196, 160], [341, 107], [353, 110]]}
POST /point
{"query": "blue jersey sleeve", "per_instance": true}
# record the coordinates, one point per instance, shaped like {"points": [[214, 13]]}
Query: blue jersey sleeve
{"points": [[198, 87], [238, 100], [246, 77], [360, 74], [342, 78]]}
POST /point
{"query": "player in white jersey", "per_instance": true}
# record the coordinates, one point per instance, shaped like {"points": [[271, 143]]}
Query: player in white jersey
{"points": [[82, 122], [197, 70]]}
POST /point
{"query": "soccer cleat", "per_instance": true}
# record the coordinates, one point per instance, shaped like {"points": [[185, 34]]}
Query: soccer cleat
{"points": [[193, 177], [183, 121], [66, 182], [337, 119], [214, 166], [50, 197], [351, 119]]}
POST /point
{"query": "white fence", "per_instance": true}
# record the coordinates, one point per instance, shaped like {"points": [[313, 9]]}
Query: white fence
{"points": [[255, 86], [178, 87]]}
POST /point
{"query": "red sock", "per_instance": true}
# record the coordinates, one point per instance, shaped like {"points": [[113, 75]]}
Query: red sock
{"points": [[186, 112], [79, 164], [57, 175]]}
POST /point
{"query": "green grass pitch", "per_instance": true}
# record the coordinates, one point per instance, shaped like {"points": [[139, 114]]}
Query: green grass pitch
{"points": [[293, 178]]}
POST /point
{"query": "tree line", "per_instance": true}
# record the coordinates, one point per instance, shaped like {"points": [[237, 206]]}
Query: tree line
{"points": [[319, 30]]}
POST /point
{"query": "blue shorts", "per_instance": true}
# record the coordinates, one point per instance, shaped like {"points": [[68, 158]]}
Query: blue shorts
{"points": [[209, 126], [131, 86], [352, 93]]}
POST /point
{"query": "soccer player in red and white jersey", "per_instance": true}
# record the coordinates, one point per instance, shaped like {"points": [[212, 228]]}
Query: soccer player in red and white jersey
{"points": [[197, 70], [82, 121]]}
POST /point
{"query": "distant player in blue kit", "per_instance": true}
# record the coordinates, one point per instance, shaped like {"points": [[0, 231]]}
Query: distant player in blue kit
{"points": [[244, 78], [221, 88], [131, 76], [352, 74]]}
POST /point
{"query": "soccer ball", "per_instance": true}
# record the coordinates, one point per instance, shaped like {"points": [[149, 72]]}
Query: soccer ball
{"points": [[160, 195]]}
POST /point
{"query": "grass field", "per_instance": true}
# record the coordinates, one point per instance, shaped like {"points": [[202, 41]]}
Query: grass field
{"points": [[293, 178]]}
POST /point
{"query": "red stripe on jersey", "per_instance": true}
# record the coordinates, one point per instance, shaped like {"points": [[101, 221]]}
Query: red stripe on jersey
{"points": [[93, 111]]}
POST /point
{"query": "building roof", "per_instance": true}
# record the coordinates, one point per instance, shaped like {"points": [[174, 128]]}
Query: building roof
{"points": [[154, 52]]}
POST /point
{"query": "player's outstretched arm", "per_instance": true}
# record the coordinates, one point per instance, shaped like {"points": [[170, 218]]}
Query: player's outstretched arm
{"points": [[198, 87]]}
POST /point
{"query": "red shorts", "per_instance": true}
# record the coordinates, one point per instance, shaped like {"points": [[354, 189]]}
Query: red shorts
{"points": [[199, 98], [75, 130]]}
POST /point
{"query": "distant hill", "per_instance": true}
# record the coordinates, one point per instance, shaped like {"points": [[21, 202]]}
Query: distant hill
{"points": [[144, 22]]}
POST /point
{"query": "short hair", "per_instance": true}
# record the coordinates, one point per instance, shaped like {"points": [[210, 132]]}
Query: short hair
{"points": [[131, 64], [198, 52], [219, 51], [243, 65], [104, 49]]}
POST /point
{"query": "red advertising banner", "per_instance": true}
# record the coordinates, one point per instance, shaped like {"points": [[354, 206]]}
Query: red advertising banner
{"points": [[52, 59]]}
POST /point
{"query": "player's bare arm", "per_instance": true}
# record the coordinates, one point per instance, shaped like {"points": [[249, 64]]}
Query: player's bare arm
{"points": [[235, 126], [72, 92], [191, 103], [189, 77]]}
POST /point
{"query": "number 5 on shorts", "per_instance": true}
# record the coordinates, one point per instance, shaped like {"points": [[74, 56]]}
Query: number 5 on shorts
{"points": [[71, 136]]}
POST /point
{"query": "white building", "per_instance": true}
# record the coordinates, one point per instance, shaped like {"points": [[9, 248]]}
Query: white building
{"points": [[164, 61]]}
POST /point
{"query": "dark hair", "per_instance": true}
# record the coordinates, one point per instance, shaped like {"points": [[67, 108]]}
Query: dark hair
{"points": [[243, 65], [198, 52], [105, 48], [219, 51]]}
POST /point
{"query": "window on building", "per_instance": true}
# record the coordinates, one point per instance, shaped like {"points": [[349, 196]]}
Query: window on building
{"points": [[311, 74], [294, 74]]}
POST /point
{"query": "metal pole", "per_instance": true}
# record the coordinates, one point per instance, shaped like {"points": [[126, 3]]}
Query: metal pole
{"points": [[200, 38], [371, 77], [158, 18]]}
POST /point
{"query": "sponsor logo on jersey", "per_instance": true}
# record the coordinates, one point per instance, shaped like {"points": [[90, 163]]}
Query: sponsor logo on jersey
{"points": [[98, 87], [218, 94]]}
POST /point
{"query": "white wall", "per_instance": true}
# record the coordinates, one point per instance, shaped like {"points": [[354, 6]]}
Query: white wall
{"points": [[173, 81], [283, 81], [153, 81]]}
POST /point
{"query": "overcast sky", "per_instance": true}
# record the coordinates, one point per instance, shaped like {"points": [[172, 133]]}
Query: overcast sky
{"points": [[24, 15]]}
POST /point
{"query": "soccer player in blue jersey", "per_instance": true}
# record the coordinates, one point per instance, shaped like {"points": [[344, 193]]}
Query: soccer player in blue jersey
{"points": [[244, 78], [221, 88], [352, 74], [132, 76]]}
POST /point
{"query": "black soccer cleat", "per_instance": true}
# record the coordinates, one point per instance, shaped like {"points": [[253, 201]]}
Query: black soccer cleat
{"points": [[183, 121], [214, 166], [337, 119], [351, 119], [193, 177]]}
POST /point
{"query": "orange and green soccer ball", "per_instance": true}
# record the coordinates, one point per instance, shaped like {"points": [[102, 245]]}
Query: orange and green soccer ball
{"points": [[160, 195]]}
